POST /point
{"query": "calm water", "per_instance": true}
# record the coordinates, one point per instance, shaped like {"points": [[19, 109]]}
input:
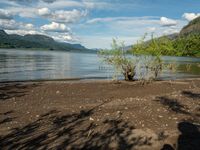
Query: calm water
{"points": [[16, 65]]}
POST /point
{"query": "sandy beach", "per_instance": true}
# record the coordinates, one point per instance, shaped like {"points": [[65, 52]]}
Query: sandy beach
{"points": [[100, 115]]}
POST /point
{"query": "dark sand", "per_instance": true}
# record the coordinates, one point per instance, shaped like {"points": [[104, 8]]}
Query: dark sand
{"points": [[100, 115]]}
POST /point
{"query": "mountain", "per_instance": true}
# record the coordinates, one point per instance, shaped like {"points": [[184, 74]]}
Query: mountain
{"points": [[37, 41], [192, 28]]}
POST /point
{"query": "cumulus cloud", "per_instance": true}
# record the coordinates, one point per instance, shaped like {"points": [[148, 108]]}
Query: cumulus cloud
{"points": [[23, 32], [29, 26], [67, 16], [63, 37], [8, 24], [62, 16], [4, 14], [27, 12], [55, 27], [164, 21], [44, 11], [190, 16]]}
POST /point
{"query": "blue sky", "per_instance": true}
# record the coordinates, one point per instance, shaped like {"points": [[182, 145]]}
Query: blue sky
{"points": [[94, 23]]}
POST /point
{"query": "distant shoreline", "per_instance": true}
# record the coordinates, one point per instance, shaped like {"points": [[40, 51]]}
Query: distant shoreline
{"points": [[90, 80], [48, 50]]}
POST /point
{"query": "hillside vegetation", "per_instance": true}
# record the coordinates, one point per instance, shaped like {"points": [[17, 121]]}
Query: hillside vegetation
{"points": [[192, 28], [36, 42], [186, 43]]}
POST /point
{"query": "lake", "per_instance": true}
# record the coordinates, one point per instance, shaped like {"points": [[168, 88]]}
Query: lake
{"points": [[20, 65]]}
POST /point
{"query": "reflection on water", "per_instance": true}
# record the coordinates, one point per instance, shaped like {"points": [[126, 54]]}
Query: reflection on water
{"points": [[34, 65]]}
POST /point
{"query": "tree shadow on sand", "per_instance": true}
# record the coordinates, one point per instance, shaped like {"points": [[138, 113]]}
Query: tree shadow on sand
{"points": [[5, 117], [11, 90], [55, 130], [189, 138], [173, 105], [192, 95]]}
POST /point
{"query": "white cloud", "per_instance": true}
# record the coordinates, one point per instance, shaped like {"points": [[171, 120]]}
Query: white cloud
{"points": [[164, 21], [29, 26], [63, 37], [62, 16], [23, 32], [59, 4], [13, 25], [44, 11], [55, 27], [4, 14], [10, 3], [86, 4], [8, 24], [67, 16], [27, 12], [190, 16], [123, 19], [30, 1]]}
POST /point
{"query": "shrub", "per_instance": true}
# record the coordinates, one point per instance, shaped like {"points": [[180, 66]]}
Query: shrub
{"points": [[119, 60]]}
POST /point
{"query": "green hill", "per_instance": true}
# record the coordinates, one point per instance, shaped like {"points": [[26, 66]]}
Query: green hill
{"points": [[186, 43], [192, 28], [37, 42]]}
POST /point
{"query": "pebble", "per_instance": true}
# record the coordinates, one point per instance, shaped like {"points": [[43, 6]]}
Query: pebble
{"points": [[119, 112], [160, 116], [91, 119], [57, 92], [37, 116]]}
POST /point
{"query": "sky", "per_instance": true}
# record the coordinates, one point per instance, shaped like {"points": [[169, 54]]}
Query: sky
{"points": [[94, 23]]}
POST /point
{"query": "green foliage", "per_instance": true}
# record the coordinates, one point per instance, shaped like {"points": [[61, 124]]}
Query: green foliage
{"points": [[187, 45], [155, 47], [182, 46], [147, 66], [149, 55], [119, 60]]}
